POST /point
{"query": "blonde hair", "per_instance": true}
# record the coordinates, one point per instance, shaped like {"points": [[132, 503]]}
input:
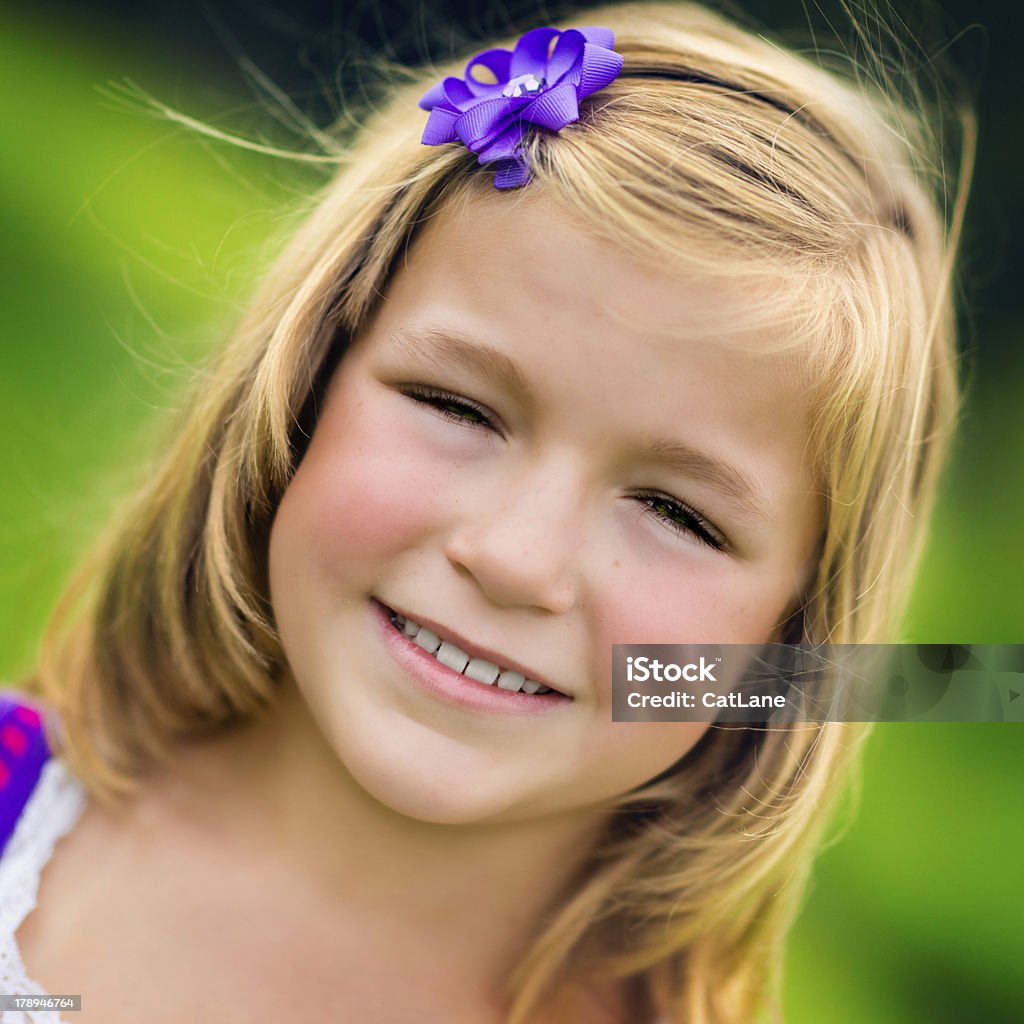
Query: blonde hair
{"points": [[709, 134]]}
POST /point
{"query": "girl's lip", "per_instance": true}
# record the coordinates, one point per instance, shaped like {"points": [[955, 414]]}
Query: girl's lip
{"points": [[452, 686], [474, 651]]}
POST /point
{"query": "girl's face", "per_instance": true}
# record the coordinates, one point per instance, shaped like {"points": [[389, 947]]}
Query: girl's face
{"points": [[529, 453]]}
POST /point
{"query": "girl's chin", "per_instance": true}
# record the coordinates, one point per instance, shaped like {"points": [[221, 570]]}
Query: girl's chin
{"points": [[437, 782], [437, 803]]}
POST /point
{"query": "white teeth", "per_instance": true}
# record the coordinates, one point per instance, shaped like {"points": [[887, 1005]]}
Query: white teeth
{"points": [[448, 654], [482, 671], [509, 680], [427, 639], [478, 669]]}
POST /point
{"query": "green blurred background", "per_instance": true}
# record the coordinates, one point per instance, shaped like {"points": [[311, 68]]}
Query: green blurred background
{"points": [[128, 246]]}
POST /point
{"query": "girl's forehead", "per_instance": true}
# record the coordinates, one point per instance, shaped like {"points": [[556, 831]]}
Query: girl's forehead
{"points": [[525, 257], [533, 244]]}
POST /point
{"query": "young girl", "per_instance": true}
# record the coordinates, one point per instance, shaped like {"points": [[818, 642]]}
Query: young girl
{"points": [[650, 343]]}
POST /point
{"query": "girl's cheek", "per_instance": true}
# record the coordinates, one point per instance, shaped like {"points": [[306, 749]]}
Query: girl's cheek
{"points": [[368, 503], [696, 599], [377, 480], [659, 593], [650, 611]]}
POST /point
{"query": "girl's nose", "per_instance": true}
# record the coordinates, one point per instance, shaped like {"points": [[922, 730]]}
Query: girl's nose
{"points": [[521, 547]]}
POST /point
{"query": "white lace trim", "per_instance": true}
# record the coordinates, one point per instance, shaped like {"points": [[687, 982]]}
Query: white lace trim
{"points": [[56, 804]]}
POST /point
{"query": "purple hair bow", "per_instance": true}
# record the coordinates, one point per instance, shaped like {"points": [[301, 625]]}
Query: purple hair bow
{"points": [[539, 83]]}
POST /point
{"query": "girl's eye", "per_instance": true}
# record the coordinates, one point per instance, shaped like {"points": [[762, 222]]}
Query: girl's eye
{"points": [[682, 519], [452, 407]]}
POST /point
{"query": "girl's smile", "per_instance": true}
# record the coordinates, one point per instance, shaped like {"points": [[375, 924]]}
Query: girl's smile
{"points": [[500, 487], [458, 671]]}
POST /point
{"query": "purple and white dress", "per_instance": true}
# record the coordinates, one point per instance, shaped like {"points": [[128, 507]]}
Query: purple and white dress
{"points": [[40, 801]]}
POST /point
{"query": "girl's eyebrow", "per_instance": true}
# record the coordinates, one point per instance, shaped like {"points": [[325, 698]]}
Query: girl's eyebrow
{"points": [[447, 346], [744, 494]]}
